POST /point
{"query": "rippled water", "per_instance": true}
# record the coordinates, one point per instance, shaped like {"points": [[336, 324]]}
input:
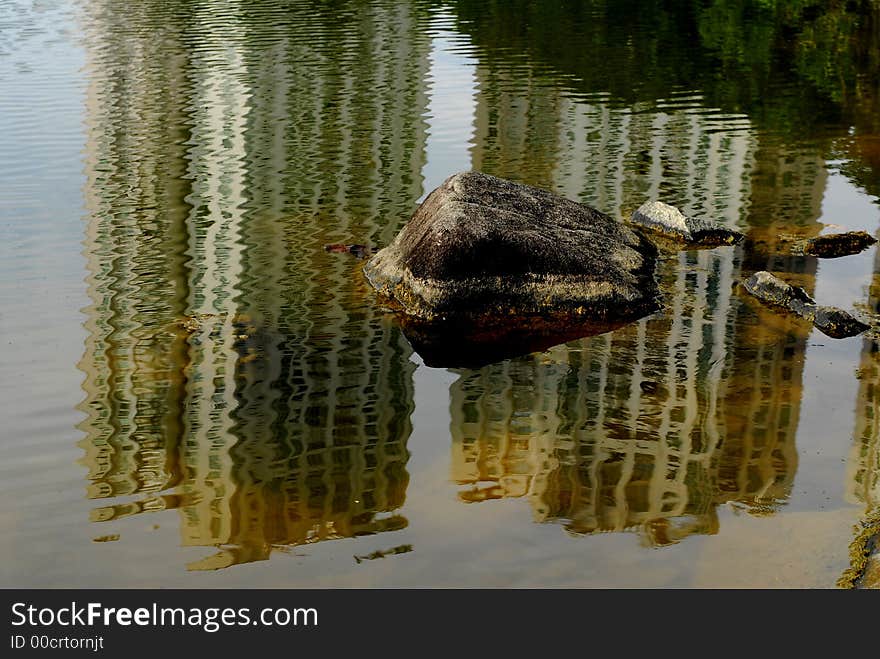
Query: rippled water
{"points": [[196, 393]]}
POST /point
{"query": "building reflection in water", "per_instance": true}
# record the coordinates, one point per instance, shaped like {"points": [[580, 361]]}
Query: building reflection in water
{"points": [[863, 478], [652, 427], [239, 374], [233, 370], [613, 139], [624, 432]]}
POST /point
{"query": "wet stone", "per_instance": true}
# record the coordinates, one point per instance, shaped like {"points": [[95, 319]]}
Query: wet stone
{"points": [[670, 222], [773, 290], [831, 321], [665, 219], [839, 244]]}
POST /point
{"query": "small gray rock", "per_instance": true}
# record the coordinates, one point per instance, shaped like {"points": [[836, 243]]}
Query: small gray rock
{"points": [[773, 290], [663, 218], [671, 222], [831, 321]]}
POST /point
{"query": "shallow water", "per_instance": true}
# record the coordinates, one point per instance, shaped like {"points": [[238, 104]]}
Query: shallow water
{"points": [[196, 393]]}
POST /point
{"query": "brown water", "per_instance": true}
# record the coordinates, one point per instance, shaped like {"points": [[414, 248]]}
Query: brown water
{"points": [[196, 393]]}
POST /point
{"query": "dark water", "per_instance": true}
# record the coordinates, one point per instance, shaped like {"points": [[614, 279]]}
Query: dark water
{"points": [[196, 393]]}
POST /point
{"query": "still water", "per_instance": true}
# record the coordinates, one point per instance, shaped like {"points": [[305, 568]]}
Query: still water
{"points": [[195, 393]]}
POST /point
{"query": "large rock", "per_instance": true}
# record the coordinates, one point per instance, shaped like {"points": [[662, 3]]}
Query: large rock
{"points": [[671, 223], [831, 321], [480, 245]]}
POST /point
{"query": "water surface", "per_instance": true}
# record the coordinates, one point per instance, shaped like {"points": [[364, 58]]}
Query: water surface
{"points": [[196, 393]]}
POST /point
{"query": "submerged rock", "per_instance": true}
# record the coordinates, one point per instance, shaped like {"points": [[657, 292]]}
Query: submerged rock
{"points": [[712, 234], [484, 246], [839, 244], [670, 222], [831, 321]]}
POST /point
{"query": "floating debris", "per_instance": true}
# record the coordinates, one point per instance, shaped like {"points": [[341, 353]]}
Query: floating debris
{"points": [[195, 322], [189, 324], [839, 244], [113, 537], [402, 549], [358, 251]]}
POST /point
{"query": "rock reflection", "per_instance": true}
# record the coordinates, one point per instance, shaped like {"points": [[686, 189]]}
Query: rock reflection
{"points": [[233, 370], [471, 343]]}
